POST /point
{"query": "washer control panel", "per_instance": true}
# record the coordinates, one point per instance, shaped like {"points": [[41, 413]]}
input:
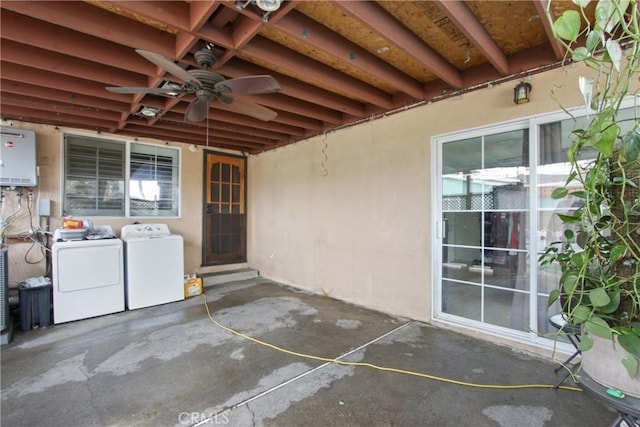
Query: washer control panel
{"points": [[144, 230]]}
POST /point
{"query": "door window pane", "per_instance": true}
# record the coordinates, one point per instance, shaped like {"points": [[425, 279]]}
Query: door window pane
{"points": [[485, 200], [462, 300]]}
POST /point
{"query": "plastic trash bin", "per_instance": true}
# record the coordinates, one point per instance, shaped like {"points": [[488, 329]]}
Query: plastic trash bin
{"points": [[35, 306]]}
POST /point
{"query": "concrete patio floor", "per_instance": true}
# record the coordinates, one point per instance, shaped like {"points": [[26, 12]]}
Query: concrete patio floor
{"points": [[172, 366]]}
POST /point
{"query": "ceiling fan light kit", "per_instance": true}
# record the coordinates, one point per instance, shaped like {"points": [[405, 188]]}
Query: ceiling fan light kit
{"points": [[170, 85], [149, 111]]}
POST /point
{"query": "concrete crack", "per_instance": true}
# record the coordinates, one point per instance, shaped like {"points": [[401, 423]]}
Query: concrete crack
{"points": [[253, 415], [83, 370]]}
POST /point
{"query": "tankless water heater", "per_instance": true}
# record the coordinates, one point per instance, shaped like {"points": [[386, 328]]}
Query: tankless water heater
{"points": [[18, 162]]}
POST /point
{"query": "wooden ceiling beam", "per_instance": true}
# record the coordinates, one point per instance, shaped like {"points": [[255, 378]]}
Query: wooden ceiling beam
{"points": [[161, 133], [55, 95], [379, 21], [173, 14], [36, 115], [247, 25], [542, 6], [50, 37], [61, 108], [298, 89], [295, 24], [468, 24], [72, 86], [265, 50], [87, 19], [271, 129], [143, 131], [200, 12], [50, 61], [176, 15]]}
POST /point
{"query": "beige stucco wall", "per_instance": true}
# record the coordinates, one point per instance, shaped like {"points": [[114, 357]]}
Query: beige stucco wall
{"points": [[347, 214], [49, 150], [357, 224]]}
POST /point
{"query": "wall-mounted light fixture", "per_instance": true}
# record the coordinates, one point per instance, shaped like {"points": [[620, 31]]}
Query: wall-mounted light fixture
{"points": [[149, 111], [521, 93]]}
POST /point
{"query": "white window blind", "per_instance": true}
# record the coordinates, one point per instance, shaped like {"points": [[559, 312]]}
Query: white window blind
{"points": [[153, 180], [112, 178], [94, 177]]}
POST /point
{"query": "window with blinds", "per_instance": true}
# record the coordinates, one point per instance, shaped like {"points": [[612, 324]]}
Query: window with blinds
{"points": [[153, 180], [97, 181], [94, 177]]}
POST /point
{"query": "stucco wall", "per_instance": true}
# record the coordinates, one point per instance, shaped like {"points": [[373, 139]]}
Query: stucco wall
{"points": [[357, 224], [347, 214], [49, 150]]}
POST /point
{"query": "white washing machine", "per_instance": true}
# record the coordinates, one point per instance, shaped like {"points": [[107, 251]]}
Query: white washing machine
{"points": [[154, 265], [88, 278]]}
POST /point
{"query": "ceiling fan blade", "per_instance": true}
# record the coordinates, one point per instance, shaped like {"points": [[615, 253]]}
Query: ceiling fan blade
{"points": [[250, 85], [149, 90], [249, 108], [169, 66], [196, 111]]}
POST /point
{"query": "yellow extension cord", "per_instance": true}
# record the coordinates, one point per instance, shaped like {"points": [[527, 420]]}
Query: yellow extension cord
{"points": [[380, 368]]}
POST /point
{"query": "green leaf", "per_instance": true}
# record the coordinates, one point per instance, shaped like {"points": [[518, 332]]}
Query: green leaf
{"points": [[631, 343], [567, 26], [553, 297], [635, 327], [568, 234], [613, 305], [631, 146], [569, 219], [586, 343], [579, 194], [568, 281], [593, 40], [615, 53], [582, 239], [598, 327], [599, 297], [580, 314], [559, 193], [606, 16], [605, 140], [580, 54], [617, 252], [579, 259], [631, 363]]}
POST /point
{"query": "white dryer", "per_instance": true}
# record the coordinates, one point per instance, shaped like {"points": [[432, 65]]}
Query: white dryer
{"points": [[154, 265], [88, 278]]}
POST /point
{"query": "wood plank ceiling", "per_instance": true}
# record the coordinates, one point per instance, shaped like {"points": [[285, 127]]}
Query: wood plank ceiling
{"points": [[338, 62]]}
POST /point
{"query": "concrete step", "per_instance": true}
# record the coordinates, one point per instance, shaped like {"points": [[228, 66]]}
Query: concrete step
{"points": [[211, 279]]}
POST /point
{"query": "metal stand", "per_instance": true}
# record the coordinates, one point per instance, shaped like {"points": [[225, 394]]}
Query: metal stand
{"points": [[559, 322], [628, 408]]}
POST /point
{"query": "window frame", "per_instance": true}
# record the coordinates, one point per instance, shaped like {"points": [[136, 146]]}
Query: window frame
{"points": [[176, 205]]}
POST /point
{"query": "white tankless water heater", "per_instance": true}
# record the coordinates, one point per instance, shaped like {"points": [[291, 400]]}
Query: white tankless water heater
{"points": [[18, 161]]}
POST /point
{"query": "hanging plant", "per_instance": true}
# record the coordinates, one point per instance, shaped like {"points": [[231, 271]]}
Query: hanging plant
{"points": [[599, 257]]}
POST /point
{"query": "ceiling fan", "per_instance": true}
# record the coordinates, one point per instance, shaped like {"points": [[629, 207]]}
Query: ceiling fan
{"points": [[208, 86]]}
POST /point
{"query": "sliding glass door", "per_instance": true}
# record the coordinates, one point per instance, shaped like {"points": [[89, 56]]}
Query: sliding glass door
{"points": [[491, 227], [484, 224]]}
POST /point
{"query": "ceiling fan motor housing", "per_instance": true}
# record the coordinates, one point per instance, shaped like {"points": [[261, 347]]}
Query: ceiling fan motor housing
{"points": [[205, 58], [205, 94]]}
